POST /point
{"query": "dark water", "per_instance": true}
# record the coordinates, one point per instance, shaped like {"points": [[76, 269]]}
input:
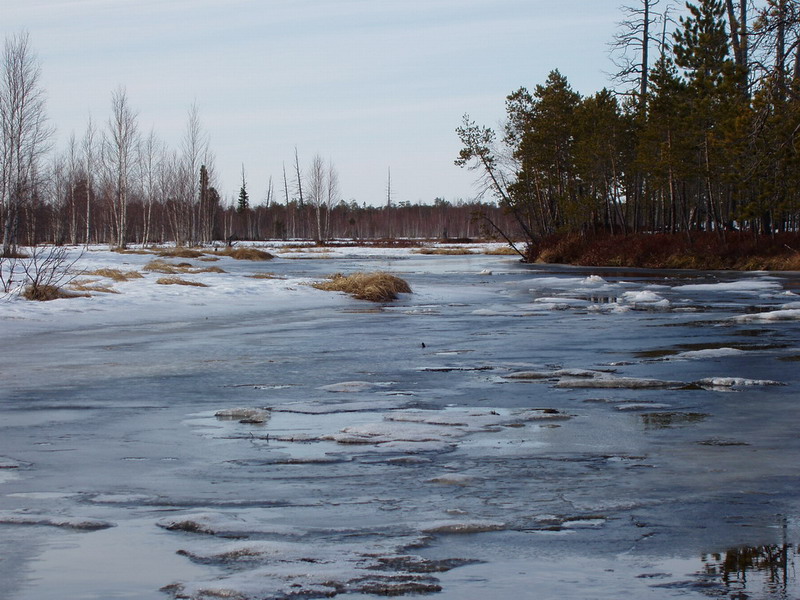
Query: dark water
{"points": [[537, 432]]}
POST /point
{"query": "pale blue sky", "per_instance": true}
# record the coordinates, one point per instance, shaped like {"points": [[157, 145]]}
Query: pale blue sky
{"points": [[370, 84]]}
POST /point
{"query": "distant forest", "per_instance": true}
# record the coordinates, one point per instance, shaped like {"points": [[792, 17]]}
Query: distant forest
{"points": [[699, 133], [702, 132]]}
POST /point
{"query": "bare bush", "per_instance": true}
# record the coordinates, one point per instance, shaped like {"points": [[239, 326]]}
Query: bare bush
{"points": [[44, 273]]}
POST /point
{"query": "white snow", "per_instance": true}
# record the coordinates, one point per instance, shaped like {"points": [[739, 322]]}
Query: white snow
{"points": [[743, 286], [707, 353], [770, 316], [727, 382]]}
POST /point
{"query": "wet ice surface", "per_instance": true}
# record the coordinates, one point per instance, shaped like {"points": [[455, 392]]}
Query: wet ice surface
{"points": [[577, 432]]}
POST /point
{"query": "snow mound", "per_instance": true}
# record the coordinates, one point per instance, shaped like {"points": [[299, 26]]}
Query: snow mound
{"points": [[643, 297]]}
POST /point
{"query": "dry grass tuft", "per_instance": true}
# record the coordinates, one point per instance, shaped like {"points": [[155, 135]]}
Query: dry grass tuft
{"points": [[91, 286], [246, 254], [449, 251], [375, 287], [178, 281], [116, 274], [501, 251], [180, 253], [208, 259], [160, 266], [209, 270], [265, 276], [43, 293], [129, 251]]}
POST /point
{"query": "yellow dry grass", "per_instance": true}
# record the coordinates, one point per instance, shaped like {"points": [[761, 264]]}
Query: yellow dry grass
{"points": [[91, 286], [448, 251], [178, 281], [161, 266], [129, 251], [43, 293], [375, 287], [501, 251], [209, 270], [265, 276], [246, 254], [180, 253], [116, 274]]}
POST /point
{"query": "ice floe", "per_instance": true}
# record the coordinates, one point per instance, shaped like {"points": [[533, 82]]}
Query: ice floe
{"points": [[462, 527], [707, 353], [321, 408], [611, 382], [747, 286], [350, 387], [728, 382], [280, 570], [225, 524], [78, 524], [250, 415], [769, 316]]}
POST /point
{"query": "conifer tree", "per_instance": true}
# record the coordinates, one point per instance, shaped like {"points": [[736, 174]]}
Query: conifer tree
{"points": [[243, 204]]}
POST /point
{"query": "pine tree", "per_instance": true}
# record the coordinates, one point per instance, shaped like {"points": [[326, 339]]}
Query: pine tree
{"points": [[243, 204]]}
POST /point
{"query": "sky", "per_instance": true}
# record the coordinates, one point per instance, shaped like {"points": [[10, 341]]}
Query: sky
{"points": [[371, 85]]}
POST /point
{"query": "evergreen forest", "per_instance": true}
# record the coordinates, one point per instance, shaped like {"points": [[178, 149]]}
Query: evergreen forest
{"points": [[701, 134]]}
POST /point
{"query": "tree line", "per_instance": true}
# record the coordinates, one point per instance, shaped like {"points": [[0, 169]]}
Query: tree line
{"points": [[117, 184], [702, 132]]}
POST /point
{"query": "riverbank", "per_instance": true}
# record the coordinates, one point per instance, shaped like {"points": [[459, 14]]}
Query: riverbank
{"points": [[707, 251]]}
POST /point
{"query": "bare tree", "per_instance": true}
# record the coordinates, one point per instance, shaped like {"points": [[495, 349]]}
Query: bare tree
{"points": [[151, 153], [331, 195], [317, 191], [196, 154], [630, 48], [89, 151], [23, 129], [120, 146], [73, 174]]}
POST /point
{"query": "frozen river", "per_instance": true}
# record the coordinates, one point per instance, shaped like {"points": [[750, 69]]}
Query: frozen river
{"points": [[506, 431]]}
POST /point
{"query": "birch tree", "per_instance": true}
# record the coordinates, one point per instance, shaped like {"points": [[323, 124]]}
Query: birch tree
{"points": [[24, 131], [120, 148], [89, 156]]}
